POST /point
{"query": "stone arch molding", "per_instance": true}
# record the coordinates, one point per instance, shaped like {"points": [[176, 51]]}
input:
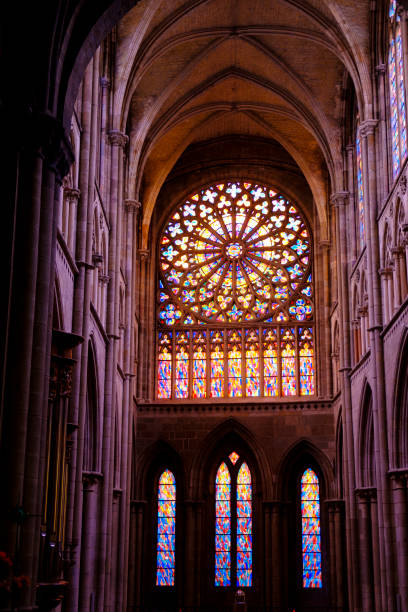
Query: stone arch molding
{"points": [[365, 464], [227, 434], [154, 457], [301, 450], [399, 443]]}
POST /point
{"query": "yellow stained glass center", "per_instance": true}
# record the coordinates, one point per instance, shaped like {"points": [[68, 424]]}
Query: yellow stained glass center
{"points": [[234, 250]]}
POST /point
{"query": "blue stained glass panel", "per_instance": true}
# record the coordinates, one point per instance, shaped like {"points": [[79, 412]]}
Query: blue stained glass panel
{"points": [[244, 578], [222, 576], [311, 539], [166, 528], [222, 527]]}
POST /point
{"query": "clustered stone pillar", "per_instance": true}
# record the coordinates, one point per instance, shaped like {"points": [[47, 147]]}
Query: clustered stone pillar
{"points": [[368, 135], [341, 201], [399, 485]]}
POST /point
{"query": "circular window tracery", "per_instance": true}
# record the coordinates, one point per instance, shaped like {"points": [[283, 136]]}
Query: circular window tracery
{"points": [[235, 252]]}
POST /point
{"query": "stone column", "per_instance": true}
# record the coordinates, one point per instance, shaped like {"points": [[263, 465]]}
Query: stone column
{"points": [[118, 141], [26, 325], [80, 325], [91, 482], [338, 509], [399, 484], [326, 384], [368, 133], [190, 583], [131, 209], [144, 389], [331, 545], [400, 283], [275, 575], [340, 201], [366, 576], [72, 196], [385, 274]]}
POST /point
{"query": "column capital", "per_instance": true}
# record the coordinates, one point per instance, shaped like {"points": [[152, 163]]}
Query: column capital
{"points": [[381, 68], [385, 272], [366, 493], [339, 198], [368, 127], [105, 83], [132, 205], [143, 254], [72, 194], [90, 479], [399, 476], [324, 245], [117, 138]]}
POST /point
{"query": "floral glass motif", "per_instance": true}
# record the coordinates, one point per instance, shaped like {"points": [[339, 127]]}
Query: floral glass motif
{"points": [[166, 530], [233, 522], [311, 536], [360, 190], [397, 91], [233, 457], [235, 257]]}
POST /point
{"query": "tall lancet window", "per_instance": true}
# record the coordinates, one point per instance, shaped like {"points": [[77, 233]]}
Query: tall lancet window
{"points": [[235, 297], [233, 523], [360, 191], [311, 535], [166, 530], [397, 90]]}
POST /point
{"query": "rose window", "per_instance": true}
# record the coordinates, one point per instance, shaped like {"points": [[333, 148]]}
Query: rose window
{"points": [[233, 256]]}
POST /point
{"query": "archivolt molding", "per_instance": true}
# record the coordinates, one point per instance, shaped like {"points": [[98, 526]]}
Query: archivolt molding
{"points": [[229, 432], [316, 185]]}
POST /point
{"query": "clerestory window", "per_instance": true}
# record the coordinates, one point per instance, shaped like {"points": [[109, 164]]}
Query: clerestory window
{"points": [[397, 90], [235, 297]]}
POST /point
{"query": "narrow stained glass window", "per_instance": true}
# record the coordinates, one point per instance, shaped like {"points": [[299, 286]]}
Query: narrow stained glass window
{"points": [[217, 363], [166, 530], [164, 373], [396, 80], [311, 536], [306, 361], [244, 527], [270, 348], [199, 364], [234, 363], [360, 190], [223, 527], [235, 257], [253, 387], [288, 342], [182, 360]]}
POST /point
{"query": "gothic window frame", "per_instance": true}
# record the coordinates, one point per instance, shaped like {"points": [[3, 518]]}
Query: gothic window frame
{"points": [[234, 469], [359, 205], [396, 90], [170, 337], [301, 596], [161, 529]]}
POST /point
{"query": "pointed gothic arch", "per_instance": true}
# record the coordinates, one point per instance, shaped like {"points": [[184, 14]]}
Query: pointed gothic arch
{"points": [[366, 467]]}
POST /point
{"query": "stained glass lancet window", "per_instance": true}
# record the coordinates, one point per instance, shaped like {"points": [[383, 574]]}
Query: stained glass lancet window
{"points": [[311, 535], [360, 191], [235, 257], [233, 523], [166, 530], [223, 527], [397, 90]]}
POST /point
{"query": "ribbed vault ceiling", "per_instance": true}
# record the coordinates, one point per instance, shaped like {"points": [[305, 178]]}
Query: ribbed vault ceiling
{"points": [[205, 69]]}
